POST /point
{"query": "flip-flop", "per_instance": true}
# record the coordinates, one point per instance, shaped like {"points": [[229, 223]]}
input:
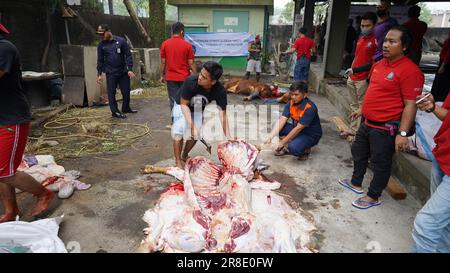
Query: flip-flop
{"points": [[282, 152], [346, 183], [367, 205]]}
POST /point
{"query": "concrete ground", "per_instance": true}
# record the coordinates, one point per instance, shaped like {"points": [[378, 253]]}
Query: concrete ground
{"points": [[107, 217]]}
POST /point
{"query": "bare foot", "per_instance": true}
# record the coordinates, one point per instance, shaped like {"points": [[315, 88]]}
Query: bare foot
{"points": [[179, 164], [184, 157], [9, 216], [345, 134], [43, 202]]}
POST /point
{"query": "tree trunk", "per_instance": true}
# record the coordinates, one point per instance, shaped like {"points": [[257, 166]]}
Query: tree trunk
{"points": [[157, 14], [136, 20], [299, 4], [111, 7]]}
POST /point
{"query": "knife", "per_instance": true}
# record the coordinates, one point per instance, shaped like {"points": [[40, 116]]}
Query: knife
{"points": [[208, 147]]}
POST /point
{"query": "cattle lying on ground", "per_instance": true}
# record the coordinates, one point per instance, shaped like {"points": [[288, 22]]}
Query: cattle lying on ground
{"points": [[227, 207], [254, 90]]}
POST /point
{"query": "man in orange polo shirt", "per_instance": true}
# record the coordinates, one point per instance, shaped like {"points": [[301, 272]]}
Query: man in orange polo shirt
{"points": [[299, 126], [431, 231], [357, 82], [177, 62], [388, 113]]}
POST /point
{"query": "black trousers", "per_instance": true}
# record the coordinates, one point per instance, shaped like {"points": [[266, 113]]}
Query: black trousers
{"points": [[441, 84], [123, 81], [379, 146]]}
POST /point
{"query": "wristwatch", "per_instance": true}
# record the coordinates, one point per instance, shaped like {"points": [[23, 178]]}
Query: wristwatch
{"points": [[403, 133]]}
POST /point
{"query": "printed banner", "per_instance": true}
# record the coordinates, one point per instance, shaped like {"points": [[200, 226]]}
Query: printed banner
{"points": [[220, 44]]}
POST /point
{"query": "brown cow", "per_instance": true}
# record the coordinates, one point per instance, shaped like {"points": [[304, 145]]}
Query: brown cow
{"points": [[248, 87]]}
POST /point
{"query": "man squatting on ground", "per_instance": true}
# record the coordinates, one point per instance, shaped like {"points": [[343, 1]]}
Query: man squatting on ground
{"points": [[196, 92], [299, 126], [388, 113]]}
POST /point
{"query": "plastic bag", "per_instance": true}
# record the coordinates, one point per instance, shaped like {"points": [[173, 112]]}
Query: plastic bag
{"points": [[37, 237]]}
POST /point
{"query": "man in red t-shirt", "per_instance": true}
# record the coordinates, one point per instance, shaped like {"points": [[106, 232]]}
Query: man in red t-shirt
{"points": [[418, 29], [357, 82], [177, 57], [388, 113], [304, 46], [431, 231]]}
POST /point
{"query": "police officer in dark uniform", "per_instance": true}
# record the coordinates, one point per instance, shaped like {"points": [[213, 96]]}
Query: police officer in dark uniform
{"points": [[114, 59]]}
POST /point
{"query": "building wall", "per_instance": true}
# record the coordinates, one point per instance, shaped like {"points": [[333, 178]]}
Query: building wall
{"points": [[441, 19], [196, 15], [27, 24]]}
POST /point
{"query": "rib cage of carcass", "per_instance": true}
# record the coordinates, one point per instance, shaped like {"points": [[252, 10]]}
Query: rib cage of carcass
{"points": [[224, 208]]}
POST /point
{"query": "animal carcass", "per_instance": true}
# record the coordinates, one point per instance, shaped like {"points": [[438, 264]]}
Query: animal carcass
{"points": [[224, 208], [250, 88]]}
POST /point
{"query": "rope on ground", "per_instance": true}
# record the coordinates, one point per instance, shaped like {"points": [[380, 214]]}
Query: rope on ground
{"points": [[99, 136]]}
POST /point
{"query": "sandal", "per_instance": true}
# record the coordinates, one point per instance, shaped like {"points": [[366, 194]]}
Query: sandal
{"points": [[305, 155], [367, 204], [346, 182], [282, 152]]}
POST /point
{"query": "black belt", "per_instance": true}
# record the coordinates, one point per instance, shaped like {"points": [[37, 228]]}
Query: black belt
{"points": [[391, 126]]}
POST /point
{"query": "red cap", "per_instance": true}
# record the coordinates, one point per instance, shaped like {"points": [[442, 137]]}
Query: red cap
{"points": [[3, 29], [257, 37]]}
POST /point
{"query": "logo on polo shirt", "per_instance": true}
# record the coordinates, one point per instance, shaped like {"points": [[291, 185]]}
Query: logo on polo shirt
{"points": [[369, 44], [390, 76]]}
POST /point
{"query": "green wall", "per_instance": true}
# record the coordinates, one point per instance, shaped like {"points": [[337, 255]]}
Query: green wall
{"points": [[195, 15]]}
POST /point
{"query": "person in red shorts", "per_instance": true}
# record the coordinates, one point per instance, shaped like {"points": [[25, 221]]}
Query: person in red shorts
{"points": [[431, 231], [14, 123], [388, 113]]}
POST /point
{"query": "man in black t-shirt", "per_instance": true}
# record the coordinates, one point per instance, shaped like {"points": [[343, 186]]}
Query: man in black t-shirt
{"points": [[196, 92], [14, 123]]}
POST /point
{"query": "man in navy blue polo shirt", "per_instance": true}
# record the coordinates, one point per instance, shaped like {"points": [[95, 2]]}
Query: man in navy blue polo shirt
{"points": [[299, 126], [114, 59]]}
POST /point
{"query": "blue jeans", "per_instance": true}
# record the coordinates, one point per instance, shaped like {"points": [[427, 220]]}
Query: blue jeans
{"points": [[301, 70], [431, 231], [300, 143]]}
